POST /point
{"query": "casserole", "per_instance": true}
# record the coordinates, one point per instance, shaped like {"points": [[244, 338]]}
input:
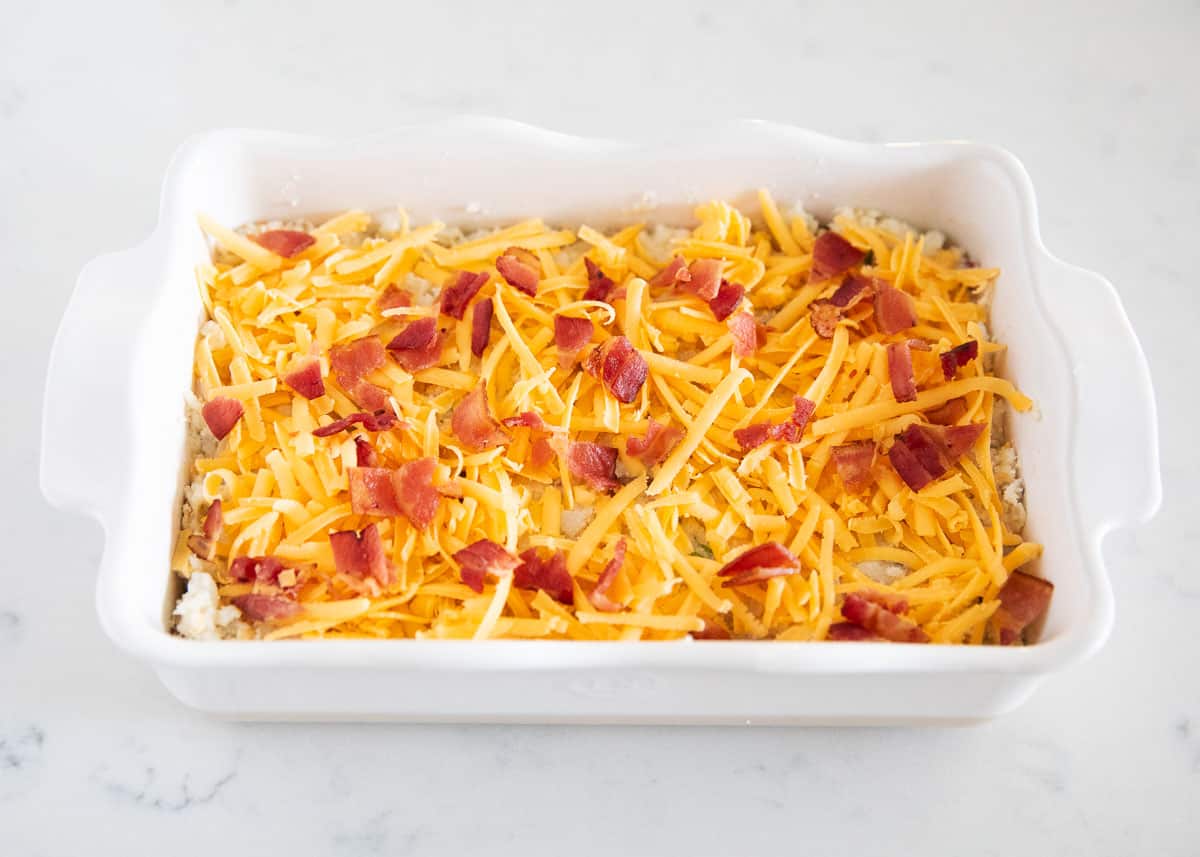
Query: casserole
{"points": [[122, 361]]}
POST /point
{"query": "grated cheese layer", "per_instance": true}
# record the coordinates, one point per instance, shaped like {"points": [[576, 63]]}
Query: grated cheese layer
{"points": [[947, 549]]}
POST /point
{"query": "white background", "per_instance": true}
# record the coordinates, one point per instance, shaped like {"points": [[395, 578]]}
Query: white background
{"points": [[1101, 102]]}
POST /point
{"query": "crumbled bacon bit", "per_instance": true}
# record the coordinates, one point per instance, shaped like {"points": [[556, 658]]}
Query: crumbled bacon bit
{"points": [[705, 278], [481, 326], [599, 287], [392, 297], [256, 569], [458, 294], [958, 357], [372, 491], [768, 555], [418, 346], [381, 420], [599, 596], [549, 575], [675, 272], [364, 453], [1023, 598], [958, 439], [726, 300], [894, 309], [570, 335], [415, 492], [789, 431], [305, 378], [850, 631], [594, 463], [521, 269], [266, 608], [897, 604], [204, 543], [949, 413], [854, 463], [833, 256], [660, 439], [852, 290], [745, 333], [752, 435], [528, 419], [900, 369], [361, 554], [923, 453], [824, 318], [620, 366], [541, 452], [479, 559], [759, 575], [221, 415], [351, 363], [472, 422], [284, 242], [879, 620]]}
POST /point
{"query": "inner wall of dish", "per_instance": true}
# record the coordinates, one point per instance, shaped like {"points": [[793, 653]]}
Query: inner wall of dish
{"points": [[970, 198]]}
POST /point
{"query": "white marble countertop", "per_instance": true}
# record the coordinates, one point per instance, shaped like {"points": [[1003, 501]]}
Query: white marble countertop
{"points": [[1100, 103]]}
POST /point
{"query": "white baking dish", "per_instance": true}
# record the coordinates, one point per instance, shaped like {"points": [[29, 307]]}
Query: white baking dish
{"points": [[113, 429]]}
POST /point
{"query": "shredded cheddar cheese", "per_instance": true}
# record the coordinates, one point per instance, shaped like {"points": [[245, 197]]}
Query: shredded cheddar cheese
{"points": [[946, 548]]}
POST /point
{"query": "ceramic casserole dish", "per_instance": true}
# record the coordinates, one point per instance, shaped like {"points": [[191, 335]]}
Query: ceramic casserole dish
{"points": [[122, 361]]}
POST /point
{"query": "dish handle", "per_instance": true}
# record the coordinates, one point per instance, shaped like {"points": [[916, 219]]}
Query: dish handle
{"points": [[1115, 442], [87, 412]]}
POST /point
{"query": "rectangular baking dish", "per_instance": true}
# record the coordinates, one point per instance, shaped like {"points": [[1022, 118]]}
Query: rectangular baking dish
{"points": [[113, 431]]}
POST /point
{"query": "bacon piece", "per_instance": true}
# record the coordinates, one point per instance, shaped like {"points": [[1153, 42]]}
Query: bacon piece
{"points": [[599, 596], [266, 608], [284, 242], [481, 326], [710, 631], [853, 462], [869, 614], [221, 414], [660, 439], [745, 333], [364, 453], [527, 419], [381, 420], [305, 378], [900, 368], [620, 366], [256, 569], [705, 279], [923, 453], [949, 413], [894, 309], [372, 491], [521, 269], [415, 493], [824, 318], [1023, 598], [895, 603], [472, 422], [726, 300], [393, 296], [549, 575], [675, 272], [599, 287], [570, 335], [849, 631], [458, 294], [768, 555], [881, 621], [204, 543], [594, 463], [852, 290], [418, 346], [361, 554], [833, 256], [351, 363], [958, 357], [759, 575], [479, 559], [789, 431]]}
